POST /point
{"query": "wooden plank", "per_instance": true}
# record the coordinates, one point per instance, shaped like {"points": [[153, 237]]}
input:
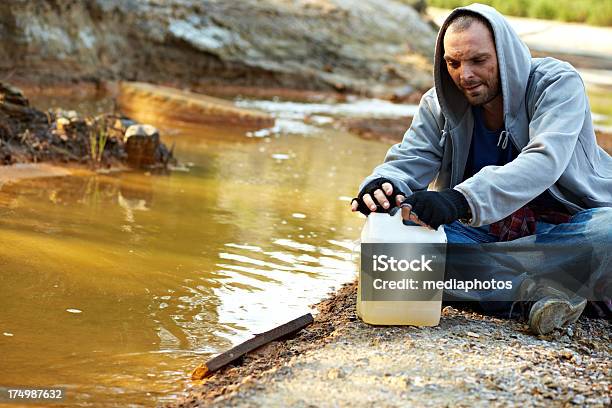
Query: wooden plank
{"points": [[259, 340]]}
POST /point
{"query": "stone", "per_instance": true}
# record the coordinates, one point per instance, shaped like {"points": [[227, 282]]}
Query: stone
{"points": [[348, 45], [141, 130], [123, 124], [11, 94], [335, 373], [142, 145], [151, 103], [61, 124]]}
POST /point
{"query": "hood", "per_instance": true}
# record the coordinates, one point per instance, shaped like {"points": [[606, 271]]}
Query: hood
{"points": [[513, 59]]}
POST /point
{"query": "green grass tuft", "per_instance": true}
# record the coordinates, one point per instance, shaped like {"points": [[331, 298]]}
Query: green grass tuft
{"points": [[595, 12]]}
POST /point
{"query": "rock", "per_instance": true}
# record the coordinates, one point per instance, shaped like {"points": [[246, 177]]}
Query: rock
{"points": [[141, 130], [448, 310], [335, 373], [388, 130], [399, 382], [141, 145], [418, 5], [17, 116], [61, 124], [324, 45], [265, 351], [123, 124], [11, 94], [403, 94], [147, 102]]}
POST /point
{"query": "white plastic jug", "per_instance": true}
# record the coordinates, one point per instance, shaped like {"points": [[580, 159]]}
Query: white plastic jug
{"points": [[385, 228]]}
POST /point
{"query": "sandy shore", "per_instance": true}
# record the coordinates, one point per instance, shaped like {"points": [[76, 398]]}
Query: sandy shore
{"points": [[468, 360], [21, 171], [24, 171]]}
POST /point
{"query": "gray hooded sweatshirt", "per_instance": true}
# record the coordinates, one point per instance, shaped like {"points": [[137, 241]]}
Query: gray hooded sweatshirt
{"points": [[546, 116]]}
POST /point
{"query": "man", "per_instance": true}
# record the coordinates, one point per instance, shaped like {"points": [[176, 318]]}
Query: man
{"points": [[507, 143]]}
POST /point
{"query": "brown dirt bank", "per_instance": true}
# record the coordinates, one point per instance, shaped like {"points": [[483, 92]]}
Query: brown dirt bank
{"points": [[468, 360], [147, 102], [28, 135], [366, 47]]}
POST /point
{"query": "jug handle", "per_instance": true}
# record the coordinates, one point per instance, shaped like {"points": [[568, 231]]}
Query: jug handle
{"points": [[411, 222]]}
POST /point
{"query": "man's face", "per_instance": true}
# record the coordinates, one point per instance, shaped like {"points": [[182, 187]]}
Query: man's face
{"points": [[471, 61]]}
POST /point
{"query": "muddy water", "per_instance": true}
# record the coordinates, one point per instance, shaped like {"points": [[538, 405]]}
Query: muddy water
{"points": [[116, 286]]}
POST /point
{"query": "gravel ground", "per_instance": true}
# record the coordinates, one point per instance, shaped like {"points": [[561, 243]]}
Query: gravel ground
{"points": [[468, 360]]}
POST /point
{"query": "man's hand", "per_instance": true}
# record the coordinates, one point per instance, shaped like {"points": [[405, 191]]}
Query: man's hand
{"points": [[381, 190], [437, 208]]}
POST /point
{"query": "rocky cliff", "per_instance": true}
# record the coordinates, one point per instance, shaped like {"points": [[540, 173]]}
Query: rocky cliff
{"points": [[364, 46]]}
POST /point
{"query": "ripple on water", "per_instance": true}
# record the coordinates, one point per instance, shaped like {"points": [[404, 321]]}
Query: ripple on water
{"points": [[293, 278]]}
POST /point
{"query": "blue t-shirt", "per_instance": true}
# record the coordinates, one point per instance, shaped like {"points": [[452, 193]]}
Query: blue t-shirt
{"points": [[484, 151]]}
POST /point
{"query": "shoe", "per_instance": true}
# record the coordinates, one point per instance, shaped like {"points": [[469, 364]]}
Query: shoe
{"points": [[548, 306], [550, 313]]}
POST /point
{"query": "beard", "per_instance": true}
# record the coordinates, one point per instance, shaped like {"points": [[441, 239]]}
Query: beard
{"points": [[484, 93]]}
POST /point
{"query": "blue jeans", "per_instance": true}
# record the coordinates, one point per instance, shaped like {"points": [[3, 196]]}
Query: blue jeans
{"points": [[576, 252]]}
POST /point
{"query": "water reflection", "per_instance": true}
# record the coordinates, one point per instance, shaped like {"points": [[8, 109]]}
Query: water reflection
{"points": [[167, 269]]}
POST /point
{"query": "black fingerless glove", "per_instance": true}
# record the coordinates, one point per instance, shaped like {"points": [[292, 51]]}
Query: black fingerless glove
{"points": [[370, 188], [437, 208]]}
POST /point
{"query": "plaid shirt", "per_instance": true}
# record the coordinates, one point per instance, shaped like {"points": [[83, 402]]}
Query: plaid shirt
{"points": [[522, 222]]}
